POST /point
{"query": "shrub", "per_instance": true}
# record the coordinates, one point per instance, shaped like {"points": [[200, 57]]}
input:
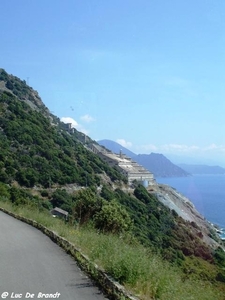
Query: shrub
{"points": [[112, 218]]}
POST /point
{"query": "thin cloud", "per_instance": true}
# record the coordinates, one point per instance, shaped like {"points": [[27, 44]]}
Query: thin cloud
{"points": [[147, 148], [211, 147], [74, 124], [87, 118], [179, 147], [214, 147], [124, 143], [172, 148], [69, 120]]}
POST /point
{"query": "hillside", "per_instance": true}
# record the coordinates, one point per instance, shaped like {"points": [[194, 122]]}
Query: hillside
{"points": [[44, 165], [35, 147], [156, 163]]}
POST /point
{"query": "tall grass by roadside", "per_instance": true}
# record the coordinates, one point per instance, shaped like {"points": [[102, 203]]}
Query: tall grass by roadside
{"points": [[139, 270]]}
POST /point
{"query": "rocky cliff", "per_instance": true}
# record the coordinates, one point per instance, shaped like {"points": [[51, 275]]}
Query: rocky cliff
{"points": [[171, 198]]}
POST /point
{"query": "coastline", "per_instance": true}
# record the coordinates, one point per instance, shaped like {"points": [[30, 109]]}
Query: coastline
{"points": [[221, 234], [207, 194], [220, 231]]}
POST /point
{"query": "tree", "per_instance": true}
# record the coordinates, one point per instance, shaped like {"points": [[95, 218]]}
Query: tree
{"points": [[60, 197]]}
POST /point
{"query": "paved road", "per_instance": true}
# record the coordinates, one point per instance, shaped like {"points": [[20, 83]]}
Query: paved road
{"points": [[30, 263]]}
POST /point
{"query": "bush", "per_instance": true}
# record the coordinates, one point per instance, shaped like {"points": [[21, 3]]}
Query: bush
{"points": [[112, 218], [4, 191]]}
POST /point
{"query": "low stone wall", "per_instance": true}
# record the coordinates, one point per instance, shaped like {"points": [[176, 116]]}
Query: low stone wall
{"points": [[112, 289]]}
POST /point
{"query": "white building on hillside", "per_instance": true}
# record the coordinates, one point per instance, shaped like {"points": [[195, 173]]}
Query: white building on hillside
{"points": [[129, 168]]}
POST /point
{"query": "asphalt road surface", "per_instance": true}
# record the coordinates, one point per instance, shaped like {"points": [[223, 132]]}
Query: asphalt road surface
{"points": [[33, 267]]}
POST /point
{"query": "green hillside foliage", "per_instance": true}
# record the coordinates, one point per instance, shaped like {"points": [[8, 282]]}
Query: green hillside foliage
{"points": [[34, 152], [157, 226]]}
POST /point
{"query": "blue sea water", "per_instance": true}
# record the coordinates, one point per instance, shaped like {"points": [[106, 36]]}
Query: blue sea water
{"points": [[206, 192]]}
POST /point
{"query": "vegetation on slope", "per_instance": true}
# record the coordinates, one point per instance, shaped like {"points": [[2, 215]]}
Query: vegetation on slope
{"points": [[140, 270], [33, 152]]}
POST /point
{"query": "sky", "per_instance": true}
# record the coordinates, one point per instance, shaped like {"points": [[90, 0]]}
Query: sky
{"points": [[148, 74]]}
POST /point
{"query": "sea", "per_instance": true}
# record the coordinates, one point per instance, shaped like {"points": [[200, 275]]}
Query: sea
{"points": [[206, 192]]}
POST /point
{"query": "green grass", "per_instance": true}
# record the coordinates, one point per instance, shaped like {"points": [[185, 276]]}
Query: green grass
{"points": [[143, 273]]}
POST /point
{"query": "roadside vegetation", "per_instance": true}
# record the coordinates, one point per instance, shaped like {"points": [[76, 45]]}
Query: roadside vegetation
{"points": [[142, 271]]}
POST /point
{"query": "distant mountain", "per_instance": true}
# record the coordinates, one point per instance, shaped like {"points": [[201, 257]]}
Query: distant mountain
{"points": [[160, 166], [156, 163], [202, 169], [194, 160], [116, 148]]}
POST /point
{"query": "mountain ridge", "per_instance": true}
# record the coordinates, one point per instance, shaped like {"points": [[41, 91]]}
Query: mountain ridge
{"points": [[202, 169]]}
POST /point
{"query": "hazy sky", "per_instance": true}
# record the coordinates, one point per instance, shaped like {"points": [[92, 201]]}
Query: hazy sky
{"points": [[149, 74]]}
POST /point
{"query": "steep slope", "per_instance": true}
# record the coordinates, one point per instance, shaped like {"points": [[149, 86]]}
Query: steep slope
{"points": [[35, 147], [19, 88]]}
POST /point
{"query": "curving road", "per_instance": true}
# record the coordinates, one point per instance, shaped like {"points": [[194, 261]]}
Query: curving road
{"points": [[33, 267]]}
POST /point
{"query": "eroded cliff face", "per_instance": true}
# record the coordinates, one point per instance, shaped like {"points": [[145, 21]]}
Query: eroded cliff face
{"points": [[23, 92], [187, 211]]}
